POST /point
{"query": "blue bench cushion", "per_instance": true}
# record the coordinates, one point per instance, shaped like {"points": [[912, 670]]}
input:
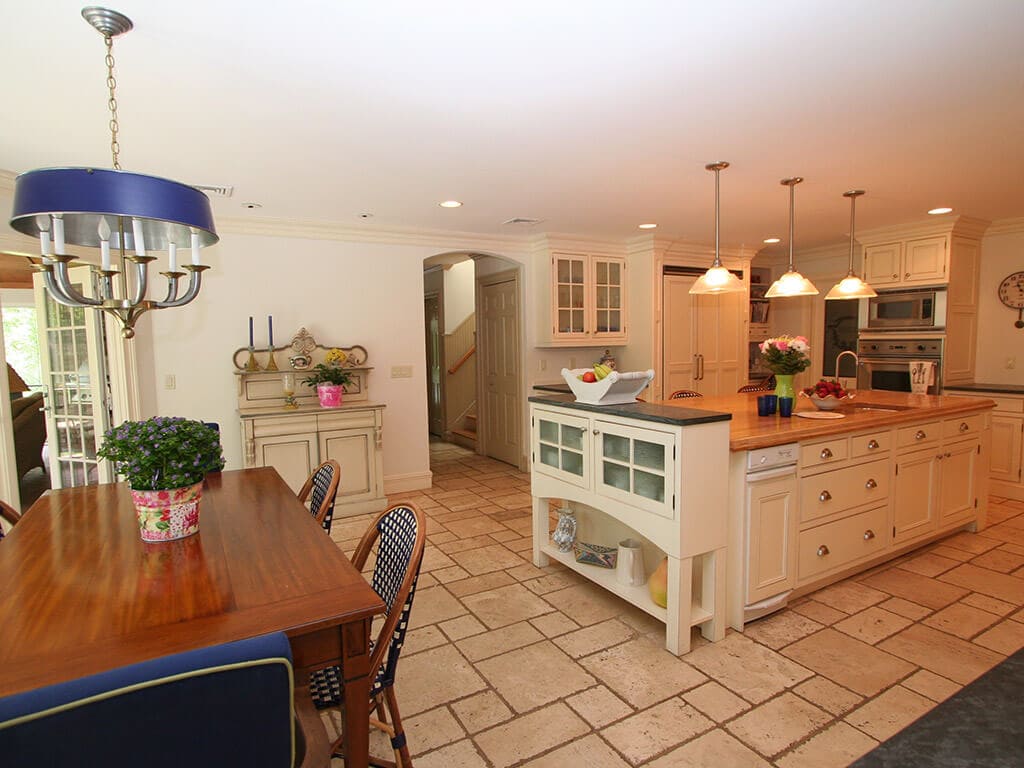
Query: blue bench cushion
{"points": [[227, 704]]}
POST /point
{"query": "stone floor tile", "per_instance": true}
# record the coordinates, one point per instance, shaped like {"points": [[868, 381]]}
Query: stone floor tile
{"points": [[642, 672], [991, 583], [530, 735], [436, 677], [474, 526], [653, 731], [929, 564], [1006, 637], [831, 697], [529, 571], [552, 582], [855, 665], [481, 711], [462, 754], [422, 639], [849, 596], [835, 747], [585, 604], [489, 644], [872, 625], [554, 624], [531, 677], [778, 724], [503, 536], [890, 712], [512, 500], [599, 706], [446, 575], [905, 608], [442, 537], [716, 701], [496, 557], [941, 653], [819, 612], [589, 751], [746, 668], [976, 543], [433, 606], [430, 730], [434, 560], [506, 605], [463, 626], [596, 637], [523, 546], [916, 588], [999, 560], [781, 629], [460, 546], [929, 684], [715, 749], [961, 620], [482, 583], [951, 552]]}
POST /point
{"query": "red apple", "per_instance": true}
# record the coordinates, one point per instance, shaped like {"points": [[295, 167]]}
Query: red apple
{"points": [[589, 377]]}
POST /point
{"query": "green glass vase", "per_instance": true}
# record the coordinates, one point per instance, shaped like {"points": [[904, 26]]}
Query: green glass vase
{"points": [[784, 385]]}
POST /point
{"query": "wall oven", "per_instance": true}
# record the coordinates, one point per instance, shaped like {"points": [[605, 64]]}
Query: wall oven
{"points": [[884, 361], [904, 310]]}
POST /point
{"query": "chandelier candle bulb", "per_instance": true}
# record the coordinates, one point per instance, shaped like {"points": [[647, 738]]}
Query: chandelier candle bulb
{"points": [[172, 257], [195, 249], [58, 234], [140, 242], [104, 232]]}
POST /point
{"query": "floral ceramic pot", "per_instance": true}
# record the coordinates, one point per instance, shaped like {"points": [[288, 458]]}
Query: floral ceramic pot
{"points": [[330, 394], [168, 515]]}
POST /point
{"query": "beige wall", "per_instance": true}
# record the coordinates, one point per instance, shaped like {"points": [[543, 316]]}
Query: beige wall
{"points": [[1002, 253]]}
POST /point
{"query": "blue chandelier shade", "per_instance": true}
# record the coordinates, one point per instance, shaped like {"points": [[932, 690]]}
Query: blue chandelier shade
{"points": [[169, 211]]}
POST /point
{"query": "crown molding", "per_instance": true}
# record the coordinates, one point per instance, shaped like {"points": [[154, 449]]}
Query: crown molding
{"points": [[564, 241], [966, 226], [1013, 226]]}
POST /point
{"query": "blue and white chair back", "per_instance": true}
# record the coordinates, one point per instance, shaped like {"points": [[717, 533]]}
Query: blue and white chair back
{"points": [[321, 488]]}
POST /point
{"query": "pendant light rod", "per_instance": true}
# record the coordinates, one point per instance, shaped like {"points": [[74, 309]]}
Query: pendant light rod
{"points": [[853, 194], [792, 283], [717, 279], [717, 168], [851, 286], [791, 183]]}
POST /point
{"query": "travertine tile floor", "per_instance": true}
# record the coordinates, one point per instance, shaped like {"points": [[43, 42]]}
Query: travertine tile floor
{"points": [[511, 665]]}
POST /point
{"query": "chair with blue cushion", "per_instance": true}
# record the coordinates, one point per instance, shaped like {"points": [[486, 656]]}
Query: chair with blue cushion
{"points": [[228, 704], [320, 488], [400, 533]]}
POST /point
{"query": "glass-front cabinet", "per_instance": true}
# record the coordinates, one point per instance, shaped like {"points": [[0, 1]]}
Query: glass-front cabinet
{"points": [[636, 466], [588, 298], [562, 447]]}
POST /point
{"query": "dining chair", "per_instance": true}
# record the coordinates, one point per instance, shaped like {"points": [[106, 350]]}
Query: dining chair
{"points": [[766, 384], [8, 514], [320, 488], [227, 704], [681, 393], [400, 534]]}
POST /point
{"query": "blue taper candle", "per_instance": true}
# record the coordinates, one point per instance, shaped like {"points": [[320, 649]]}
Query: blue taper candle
{"points": [[250, 331], [270, 331]]}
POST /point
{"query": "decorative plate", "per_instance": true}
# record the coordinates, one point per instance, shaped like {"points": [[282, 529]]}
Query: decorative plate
{"points": [[595, 554], [819, 415]]}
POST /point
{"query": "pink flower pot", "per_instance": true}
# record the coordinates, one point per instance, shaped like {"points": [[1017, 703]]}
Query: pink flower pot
{"points": [[168, 515], [330, 394]]}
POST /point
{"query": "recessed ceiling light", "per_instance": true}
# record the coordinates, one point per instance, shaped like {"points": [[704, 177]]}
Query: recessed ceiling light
{"points": [[365, 215], [252, 206], [939, 211], [450, 204], [772, 240], [647, 226]]}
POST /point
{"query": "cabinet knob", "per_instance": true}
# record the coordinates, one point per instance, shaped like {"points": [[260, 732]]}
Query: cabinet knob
{"points": [[895, 276], [946, 455], [826, 454], [869, 535], [921, 435], [597, 431], [871, 484], [938, 456], [872, 445], [963, 426], [824, 496], [822, 551], [906, 276]]}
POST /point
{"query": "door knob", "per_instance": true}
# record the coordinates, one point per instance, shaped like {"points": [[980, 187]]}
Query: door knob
{"points": [[822, 550]]}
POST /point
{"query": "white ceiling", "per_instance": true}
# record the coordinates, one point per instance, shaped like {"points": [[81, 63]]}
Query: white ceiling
{"points": [[593, 116]]}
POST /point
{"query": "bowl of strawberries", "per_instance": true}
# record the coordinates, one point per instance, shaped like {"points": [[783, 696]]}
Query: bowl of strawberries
{"points": [[827, 394]]}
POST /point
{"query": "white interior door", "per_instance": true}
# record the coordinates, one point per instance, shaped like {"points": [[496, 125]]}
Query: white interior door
{"points": [[74, 372], [499, 407]]}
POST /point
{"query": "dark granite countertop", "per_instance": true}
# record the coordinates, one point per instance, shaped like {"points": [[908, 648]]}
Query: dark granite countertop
{"points": [[553, 387], [1006, 389], [664, 414]]}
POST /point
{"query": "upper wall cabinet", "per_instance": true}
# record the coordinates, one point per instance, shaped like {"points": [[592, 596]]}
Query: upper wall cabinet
{"points": [[907, 263], [588, 300]]}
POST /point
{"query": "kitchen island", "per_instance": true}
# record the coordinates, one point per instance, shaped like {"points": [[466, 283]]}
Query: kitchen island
{"points": [[814, 500]]}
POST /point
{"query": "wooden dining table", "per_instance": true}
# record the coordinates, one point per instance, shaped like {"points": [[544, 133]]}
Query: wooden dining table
{"points": [[81, 593]]}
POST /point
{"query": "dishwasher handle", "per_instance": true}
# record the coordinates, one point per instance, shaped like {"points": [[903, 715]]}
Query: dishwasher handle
{"points": [[771, 474]]}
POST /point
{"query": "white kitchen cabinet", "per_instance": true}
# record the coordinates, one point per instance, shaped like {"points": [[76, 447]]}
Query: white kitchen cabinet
{"points": [[659, 477], [914, 494], [1006, 467], [771, 507], [588, 299], [907, 263]]}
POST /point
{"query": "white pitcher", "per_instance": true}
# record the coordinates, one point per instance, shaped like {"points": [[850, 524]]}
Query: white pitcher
{"points": [[629, 568]]}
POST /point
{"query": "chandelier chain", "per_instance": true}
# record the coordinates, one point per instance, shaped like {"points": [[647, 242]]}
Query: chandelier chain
{"points": [[115, 147]]}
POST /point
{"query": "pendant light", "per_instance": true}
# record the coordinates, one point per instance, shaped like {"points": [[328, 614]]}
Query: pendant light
{"points": [[717, 279], [114, 209], [792, 283], [851, 286]]}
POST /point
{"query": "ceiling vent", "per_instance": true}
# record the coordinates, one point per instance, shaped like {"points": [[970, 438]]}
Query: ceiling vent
{"points": [[523, 221], [216, 190]]}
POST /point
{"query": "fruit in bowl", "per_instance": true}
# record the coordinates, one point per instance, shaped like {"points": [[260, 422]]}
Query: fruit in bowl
{"points": [[827, 394]]}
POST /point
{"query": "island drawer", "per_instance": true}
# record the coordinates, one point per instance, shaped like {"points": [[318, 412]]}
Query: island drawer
{"points": [[918, 434], [872, 444], [838, 544], [826, 452], [963, 426], [841, 489], [1008, 404]]}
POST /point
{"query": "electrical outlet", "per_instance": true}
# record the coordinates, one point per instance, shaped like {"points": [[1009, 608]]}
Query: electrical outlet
{"points": [[543, 365], [169, 381], [401, 372], [1011, 363]]}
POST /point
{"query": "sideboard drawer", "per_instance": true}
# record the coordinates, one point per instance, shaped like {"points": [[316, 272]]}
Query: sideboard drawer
{"points": [[284, 425], [345, 420], [841, 543], [845, 488]]}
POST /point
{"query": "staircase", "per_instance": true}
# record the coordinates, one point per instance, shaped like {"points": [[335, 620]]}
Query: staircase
{"points": [[466, 434]]}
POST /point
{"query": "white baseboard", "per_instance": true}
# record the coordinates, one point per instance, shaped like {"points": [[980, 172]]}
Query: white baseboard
{"points": [[413, 481]]}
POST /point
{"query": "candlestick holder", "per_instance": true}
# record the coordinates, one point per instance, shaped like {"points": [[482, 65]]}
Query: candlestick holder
{"points": [[251, 364], [288, 386], [271, 363]]}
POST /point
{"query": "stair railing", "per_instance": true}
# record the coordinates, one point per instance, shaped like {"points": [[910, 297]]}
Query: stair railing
{"points": [[462, 360]]}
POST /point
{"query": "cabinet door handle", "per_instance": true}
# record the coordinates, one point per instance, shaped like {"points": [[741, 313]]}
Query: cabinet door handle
{"points": [[825, 454], [872, 445], [869, 535], [921, 435], [823, 550], [824, 496], [871, 484], [963, 426], [946, 455]]}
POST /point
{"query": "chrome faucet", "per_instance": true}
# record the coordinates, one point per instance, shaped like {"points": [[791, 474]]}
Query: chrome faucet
{"points": [[856, 362]]}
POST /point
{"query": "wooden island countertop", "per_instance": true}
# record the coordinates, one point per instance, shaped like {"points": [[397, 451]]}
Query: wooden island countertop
{"points": [[748, 431]]}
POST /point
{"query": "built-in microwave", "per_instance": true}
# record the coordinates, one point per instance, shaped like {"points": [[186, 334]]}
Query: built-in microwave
{"points": [[906, 310]]}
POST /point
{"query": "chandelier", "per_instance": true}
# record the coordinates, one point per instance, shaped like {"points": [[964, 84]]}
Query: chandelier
{"points": [[132, 213]]}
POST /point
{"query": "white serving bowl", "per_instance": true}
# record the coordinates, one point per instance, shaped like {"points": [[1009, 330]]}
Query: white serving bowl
{"points": [[829, 403]]}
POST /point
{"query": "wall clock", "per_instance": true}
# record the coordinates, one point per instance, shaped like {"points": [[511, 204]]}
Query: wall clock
{"points": [[1011, 293]]}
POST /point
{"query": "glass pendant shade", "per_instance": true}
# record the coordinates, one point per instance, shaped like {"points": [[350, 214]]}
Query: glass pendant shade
{"points": [[792, 283], [851, 286], [717, 279]]}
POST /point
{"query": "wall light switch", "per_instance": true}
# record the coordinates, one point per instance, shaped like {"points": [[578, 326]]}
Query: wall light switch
{"points": [[401, 372], [543, 365], [1011, 363], [169, 381]]}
